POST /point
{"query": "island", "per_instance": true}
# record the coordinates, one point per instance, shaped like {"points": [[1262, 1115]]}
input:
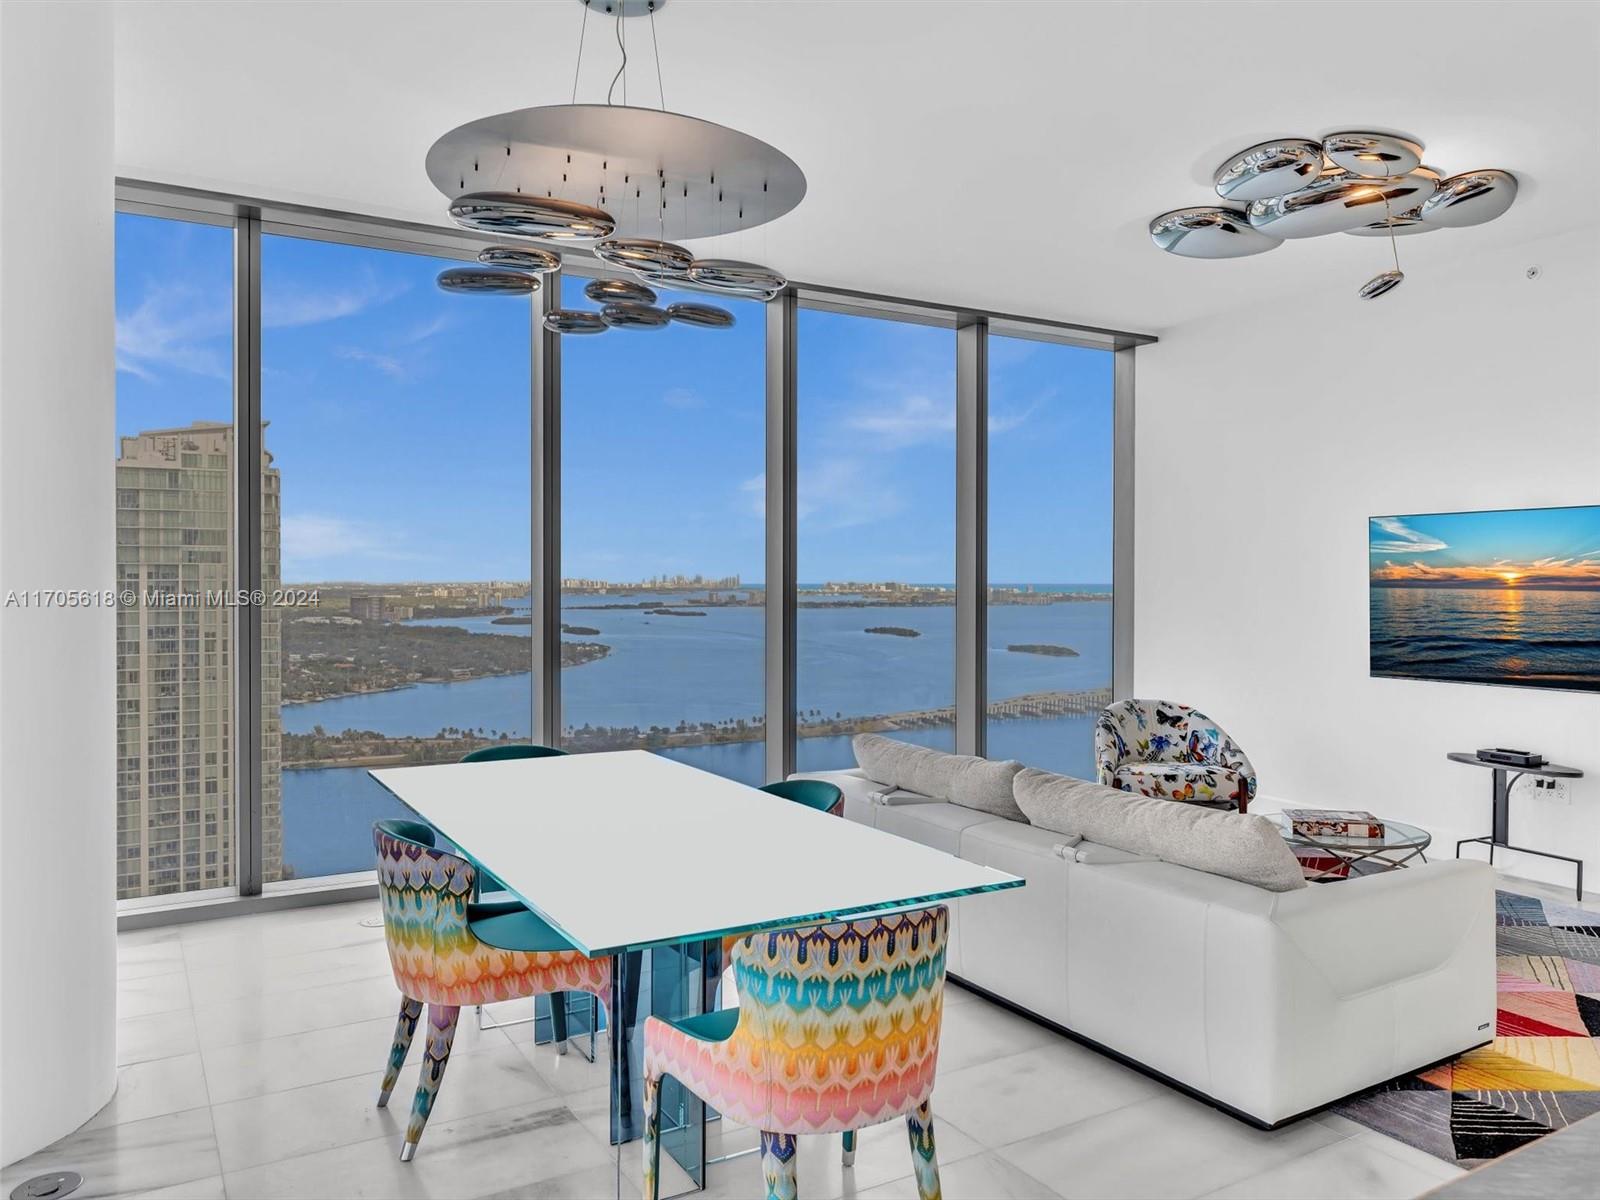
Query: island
{"points": [[514, 621], [579, 630], [895, 631], [1044, 648], [675, 612], [324, 657]]}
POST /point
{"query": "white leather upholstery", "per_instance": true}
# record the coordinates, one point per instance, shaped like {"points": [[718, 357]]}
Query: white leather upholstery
{"points": [[1273, 1004]]}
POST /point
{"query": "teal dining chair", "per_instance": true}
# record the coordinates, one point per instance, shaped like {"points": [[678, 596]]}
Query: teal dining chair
{"points": [[500, 753], [504, 750], [488, 884], [813, 793], [816, 794]]}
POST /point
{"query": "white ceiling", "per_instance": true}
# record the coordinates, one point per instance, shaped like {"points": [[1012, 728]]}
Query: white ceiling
{"points": [[1003, 155]]}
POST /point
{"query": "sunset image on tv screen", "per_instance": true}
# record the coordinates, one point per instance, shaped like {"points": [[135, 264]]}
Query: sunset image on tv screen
{"points": [[1510, 597]]}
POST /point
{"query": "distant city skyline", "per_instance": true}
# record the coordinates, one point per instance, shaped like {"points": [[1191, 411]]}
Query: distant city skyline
{"points": [[398, 416]]}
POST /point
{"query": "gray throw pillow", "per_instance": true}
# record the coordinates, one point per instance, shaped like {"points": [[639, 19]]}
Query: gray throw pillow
{"points": [[884, 760], [986, 786], [975, 783], [1232, 845]]}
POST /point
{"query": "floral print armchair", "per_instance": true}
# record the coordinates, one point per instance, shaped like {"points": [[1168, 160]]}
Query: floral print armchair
{"points": [[1171, 751]]}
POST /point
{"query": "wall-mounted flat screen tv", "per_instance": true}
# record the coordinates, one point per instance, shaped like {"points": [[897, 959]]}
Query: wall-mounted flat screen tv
{"points": [[1510, 597]]}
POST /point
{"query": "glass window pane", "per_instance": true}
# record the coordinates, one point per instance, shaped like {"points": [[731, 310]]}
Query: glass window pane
{"points": [[174, 458], [1050, 536], [662, 555], [876, 534], [396, 516]]}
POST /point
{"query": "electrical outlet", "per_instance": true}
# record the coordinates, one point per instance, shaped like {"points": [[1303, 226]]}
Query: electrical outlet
{"points": [[1546, 788]]}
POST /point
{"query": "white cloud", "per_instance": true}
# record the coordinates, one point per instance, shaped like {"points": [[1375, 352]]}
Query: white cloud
{"points": [[1005, 422], [841, 493], [1403, 539], [181, 328], [683, 398], [753, 492], [315, 537], [915, 419], [908, 421], [429, 328], [286, 306], [389, 365]]}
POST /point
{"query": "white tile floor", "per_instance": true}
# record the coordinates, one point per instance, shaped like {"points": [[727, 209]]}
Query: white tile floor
{"points": [[251, 1050]]}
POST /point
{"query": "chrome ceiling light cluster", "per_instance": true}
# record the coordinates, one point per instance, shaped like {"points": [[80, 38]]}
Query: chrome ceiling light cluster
{"points": [[619, 179], [1360, 182]]}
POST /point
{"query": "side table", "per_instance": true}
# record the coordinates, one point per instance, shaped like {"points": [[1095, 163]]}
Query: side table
{"points": [[1504, 777]]}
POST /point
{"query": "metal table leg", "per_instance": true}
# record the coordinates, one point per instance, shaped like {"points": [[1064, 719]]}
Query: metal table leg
{"points": [[671, 981], [1500, 838]]}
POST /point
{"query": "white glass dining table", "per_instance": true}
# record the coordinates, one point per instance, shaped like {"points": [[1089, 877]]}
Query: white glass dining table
{"points": [[651, 862]]}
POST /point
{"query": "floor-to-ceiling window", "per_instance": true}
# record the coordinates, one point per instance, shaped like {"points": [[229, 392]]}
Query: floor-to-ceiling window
{"points": [[395, 514], [1050, 544], [176, 826], [662, 539], [875, 528], [393, 476]]}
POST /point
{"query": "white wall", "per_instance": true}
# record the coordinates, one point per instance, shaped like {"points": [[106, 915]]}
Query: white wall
{"points": [[57, 505], [1268, 437]]}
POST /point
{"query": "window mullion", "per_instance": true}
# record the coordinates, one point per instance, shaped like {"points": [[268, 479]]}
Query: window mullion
{"points": [[972, 523], [780, 534], [248, 616]]}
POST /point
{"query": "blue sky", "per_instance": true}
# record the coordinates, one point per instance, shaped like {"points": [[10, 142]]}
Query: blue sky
{"points": [[1532, 547], [398, 416]]}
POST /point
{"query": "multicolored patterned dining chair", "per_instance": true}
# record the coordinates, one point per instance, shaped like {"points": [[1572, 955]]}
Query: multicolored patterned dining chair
{"points": [[837, 1028], [1173, 752], [447, 952]]}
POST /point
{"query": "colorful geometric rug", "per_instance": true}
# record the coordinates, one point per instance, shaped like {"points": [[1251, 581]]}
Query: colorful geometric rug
{"points": [[1542, 1071]]}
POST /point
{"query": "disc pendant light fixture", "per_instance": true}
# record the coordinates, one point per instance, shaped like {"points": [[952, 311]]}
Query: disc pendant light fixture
{"points": [[574, 320], [1367, 183], [487, 281], [523, 216], [605, 291], [707, 315], [630, 183], [648, 256], [520, 258], [736, 278], [1210, 232], [630, 314]]}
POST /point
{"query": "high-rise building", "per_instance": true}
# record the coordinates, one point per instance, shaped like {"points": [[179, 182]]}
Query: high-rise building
{"points": [[175, 729]]}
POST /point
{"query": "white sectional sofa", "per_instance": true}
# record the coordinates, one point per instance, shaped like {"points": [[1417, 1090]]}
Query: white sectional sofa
{"points": [[1267, 1004]]}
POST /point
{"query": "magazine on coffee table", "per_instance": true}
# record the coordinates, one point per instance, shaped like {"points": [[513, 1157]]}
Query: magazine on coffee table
{"points": [[1333, 822]]}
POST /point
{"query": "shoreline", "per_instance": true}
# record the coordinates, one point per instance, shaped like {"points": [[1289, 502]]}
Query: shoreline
{"points": [[418, 750]]}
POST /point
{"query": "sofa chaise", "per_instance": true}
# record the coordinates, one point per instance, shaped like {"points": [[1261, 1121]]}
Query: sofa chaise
{"points": [[1268, 1004]]}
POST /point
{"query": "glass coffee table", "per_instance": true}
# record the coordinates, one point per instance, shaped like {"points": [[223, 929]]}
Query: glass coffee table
{"points": [[1397, 848]]}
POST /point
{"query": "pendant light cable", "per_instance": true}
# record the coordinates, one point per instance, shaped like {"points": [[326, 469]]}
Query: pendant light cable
{"points": [[661, 92], [1388, 220], [577, 66], [621, 69]]}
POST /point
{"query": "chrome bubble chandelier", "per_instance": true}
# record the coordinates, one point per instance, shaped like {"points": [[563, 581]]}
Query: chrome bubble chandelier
{"points": [[1361, 182], [627, 182]]}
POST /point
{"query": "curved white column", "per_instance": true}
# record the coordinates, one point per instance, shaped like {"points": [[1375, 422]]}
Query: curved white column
{"points": [[57, 513]]}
